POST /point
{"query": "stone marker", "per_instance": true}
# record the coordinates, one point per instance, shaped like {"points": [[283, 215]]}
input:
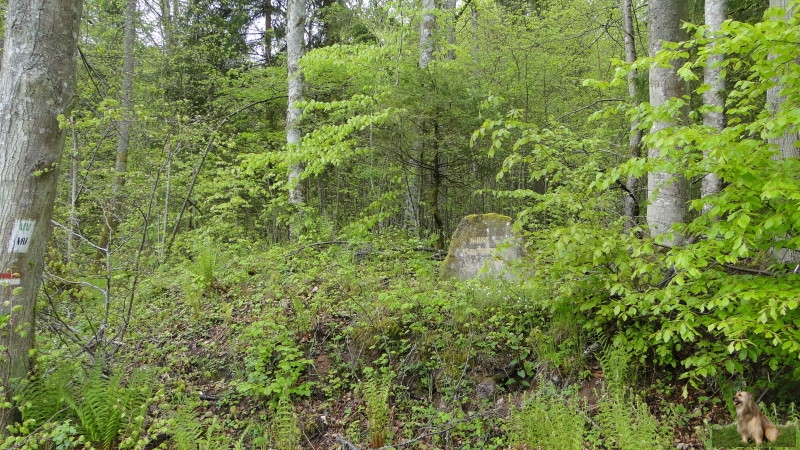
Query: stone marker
{"points": [[473, 249]]}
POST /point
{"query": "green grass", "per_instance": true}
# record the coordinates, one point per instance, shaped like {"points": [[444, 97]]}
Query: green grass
{"points": [[727, 437]]}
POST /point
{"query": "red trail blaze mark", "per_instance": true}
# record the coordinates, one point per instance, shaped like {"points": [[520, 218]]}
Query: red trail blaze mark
{"points": [[11, 278]]}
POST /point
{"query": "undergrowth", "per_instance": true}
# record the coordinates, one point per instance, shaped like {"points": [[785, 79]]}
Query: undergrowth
{"points": [[323, 343]]}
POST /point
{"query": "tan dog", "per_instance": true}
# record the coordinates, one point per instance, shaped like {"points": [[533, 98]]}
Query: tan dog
{"points": [[752, 423]]}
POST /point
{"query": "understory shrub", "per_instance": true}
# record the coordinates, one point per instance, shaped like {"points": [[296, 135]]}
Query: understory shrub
{"points": [[274, 363]]}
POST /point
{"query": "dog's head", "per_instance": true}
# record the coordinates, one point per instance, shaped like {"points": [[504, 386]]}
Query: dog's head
{"points": [[742, 401]]}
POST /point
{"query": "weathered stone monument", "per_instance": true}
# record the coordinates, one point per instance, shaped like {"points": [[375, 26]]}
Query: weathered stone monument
{"points": [[482, 244]]}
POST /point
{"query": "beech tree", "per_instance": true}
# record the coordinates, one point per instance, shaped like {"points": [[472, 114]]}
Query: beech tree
{"points": [[128, 115], [785, 142], [776, 98], [414, 175], [713, 97], [666, 189], [630, 204], [295, 46], [426, 28], [37, 85]]}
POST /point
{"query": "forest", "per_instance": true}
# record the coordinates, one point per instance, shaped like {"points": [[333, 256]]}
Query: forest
{"points": [[224, 223]]}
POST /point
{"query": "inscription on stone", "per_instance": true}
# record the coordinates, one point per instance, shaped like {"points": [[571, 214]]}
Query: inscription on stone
{"points": [[482, 244]]}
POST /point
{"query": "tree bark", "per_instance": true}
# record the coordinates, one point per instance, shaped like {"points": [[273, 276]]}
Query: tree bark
{"points": [[121, 163], [37, 84], [426, 28], [73, 191], [785, 142], [295, 47], [167, 26], [268, 32], [449, 6], [666, 191], [414, 181], [715, 11], [630, 203], [121, 160], [128, 114]]}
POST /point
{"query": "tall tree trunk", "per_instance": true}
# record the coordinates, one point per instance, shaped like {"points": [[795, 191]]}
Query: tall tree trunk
{"points": [[128, 114], [426, 28], [785, 142], [666, 191], [121, 164], [37, 84], [715, 11], [268, 32], [413, 211], [73, 191], [295, 23], [437, 169], [476, 46], [126, 102], [630, 203], [167, 26], [449, 6]]}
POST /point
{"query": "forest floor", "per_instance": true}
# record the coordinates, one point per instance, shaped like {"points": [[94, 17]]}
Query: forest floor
{"points": [[360, 345]]}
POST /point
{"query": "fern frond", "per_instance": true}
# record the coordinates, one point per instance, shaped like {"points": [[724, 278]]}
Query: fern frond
{"points": [[285, 432], [45, 399], [106, 407]]}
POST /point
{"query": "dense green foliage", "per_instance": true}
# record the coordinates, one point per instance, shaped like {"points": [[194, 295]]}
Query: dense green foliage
{"points": [[340, 332]]}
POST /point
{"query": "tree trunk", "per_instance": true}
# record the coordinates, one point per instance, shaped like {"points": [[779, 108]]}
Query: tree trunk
{"points": [[426, 28], [414, 182], [167, 27], [666, 191], [126, 102], [128, 114], [73, 191], [121, 164], [715, 11], [295, 21], [449, 6], [37, 84], [630, 203], [785, 142], [268, 32], [437, 175]]}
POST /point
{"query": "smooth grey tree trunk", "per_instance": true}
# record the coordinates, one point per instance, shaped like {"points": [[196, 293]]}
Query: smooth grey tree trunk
{"points": [[123, 143], [667, 192], [426, 28], [785, 143], [37, 84], [413, 211], [128, 114], [167, 27], [121, 163], [295, 47], [268, 32], [449, 7], [715, 11], [73, 191], [630, 203]]}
